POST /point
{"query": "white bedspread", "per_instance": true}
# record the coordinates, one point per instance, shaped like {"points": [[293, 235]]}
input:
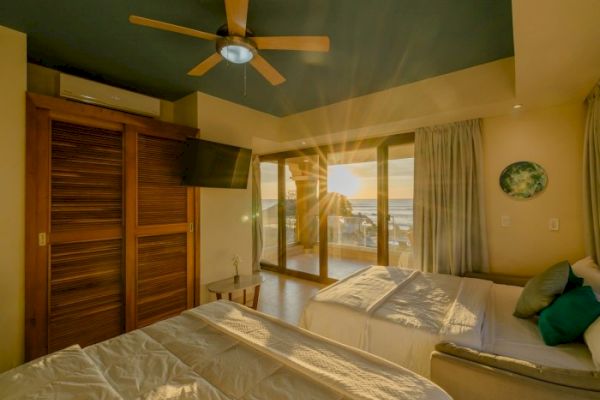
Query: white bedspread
{"points": [[217, 351], [400, 314]]}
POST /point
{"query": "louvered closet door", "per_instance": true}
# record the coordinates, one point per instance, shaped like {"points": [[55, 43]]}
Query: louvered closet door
{"points": [[162, 242], [85, 236], [108, 232]]}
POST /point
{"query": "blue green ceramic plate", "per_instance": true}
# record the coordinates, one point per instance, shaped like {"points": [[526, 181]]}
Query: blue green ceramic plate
{"points": [[523, 179]]}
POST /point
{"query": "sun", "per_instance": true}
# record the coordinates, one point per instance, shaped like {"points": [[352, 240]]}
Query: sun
{"points": [[341, 180]]}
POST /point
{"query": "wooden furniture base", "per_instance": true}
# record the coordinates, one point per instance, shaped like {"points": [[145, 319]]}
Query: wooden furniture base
{"points": [[229, 286]]}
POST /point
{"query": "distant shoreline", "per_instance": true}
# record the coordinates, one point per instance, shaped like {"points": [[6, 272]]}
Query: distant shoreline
{"points": [[400, 210]]}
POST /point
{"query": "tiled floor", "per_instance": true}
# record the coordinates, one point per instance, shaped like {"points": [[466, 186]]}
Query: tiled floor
{"points": [[284, 296]]}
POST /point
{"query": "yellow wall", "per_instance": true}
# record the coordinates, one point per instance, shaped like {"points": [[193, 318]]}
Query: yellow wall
{"points": [[555, 65], [12, 203], [480, 91], [552, 137], [225, 225]]}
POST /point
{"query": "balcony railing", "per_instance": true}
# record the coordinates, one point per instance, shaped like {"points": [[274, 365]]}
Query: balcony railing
{"points": [[350, 237]]}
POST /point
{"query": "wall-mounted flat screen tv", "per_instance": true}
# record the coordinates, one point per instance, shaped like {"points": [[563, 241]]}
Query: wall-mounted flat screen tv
{"points": [[215, 165]]}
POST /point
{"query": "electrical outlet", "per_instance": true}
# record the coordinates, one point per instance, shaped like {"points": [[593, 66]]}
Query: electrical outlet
{"points": [[505, 221], [553, 224]]}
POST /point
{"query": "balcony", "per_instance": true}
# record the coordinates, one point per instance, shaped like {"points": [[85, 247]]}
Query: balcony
{"points": [[352, 246]]}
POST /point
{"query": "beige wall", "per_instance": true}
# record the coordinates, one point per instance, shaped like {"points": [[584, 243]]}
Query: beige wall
{"points": [[12, 204], [552, 137], [225, 225], [480, 91], [557, 57]]}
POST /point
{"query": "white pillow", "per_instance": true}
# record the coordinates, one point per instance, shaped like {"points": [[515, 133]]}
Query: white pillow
{"points": [[587, 269], [592, 339]]}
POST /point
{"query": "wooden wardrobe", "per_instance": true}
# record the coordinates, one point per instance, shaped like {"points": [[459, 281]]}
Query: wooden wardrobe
{"points": [[111, 243]]}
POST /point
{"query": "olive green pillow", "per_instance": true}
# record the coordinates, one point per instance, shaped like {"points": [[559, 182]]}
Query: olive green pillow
{"points": [[542, 289]]}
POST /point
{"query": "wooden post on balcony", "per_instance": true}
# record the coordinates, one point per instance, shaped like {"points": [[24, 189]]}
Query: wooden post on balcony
{"points": [[382, 206]]}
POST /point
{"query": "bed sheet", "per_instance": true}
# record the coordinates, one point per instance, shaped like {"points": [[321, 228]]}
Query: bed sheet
{"points": [[402, 315], [218, 351]]}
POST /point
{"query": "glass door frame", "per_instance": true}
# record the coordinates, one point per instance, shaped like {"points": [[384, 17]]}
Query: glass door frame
{"points": [[382, 146]]}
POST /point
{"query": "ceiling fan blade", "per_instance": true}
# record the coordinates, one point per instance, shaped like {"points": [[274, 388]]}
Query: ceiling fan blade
{"points": [[267, 70], [237, 15], [205, 65], [165, 26], [301, 43]]}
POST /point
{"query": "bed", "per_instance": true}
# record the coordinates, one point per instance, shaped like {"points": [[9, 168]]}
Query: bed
{"points": [[437, 324], [218, 351]]}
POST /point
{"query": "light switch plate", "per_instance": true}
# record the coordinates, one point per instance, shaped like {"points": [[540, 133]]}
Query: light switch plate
{"points": [[553, 224], [505, 221]]}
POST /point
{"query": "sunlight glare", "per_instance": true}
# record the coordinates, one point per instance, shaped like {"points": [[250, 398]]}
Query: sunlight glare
{"points": [[341, 180]]}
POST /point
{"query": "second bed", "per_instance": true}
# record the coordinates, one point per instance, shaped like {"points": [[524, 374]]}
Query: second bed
{"points": [[403, 315]]}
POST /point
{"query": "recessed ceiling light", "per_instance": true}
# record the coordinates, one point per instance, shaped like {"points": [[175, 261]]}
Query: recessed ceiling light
{"points": [[517, 106]]}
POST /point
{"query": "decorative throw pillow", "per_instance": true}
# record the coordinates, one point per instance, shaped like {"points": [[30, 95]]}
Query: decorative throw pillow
{"points": [[542, 289], [573, 282], [567, 318], [589, 271], [592, 339]]}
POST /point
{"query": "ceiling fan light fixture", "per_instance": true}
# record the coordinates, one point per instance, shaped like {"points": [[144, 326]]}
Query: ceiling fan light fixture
{"points": [[236, 54], [235, 49]]}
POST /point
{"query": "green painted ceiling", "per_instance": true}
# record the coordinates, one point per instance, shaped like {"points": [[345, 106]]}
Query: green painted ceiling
{"points": [[375, 45]]}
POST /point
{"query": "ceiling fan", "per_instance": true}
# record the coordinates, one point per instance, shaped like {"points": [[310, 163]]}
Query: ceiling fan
{"points": [[236, 43]]}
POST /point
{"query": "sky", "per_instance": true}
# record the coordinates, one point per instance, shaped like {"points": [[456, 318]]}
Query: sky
{"points": [[356, 181]]}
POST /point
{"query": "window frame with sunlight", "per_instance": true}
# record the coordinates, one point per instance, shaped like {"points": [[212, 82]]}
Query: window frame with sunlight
{"points": [[338, 178]]}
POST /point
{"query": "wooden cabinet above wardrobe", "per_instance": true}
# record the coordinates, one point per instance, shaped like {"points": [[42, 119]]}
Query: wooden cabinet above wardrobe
{"points": [[111, 243]]}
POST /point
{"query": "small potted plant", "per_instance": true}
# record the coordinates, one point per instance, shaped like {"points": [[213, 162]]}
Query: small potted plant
{"points": [[236, 263]]}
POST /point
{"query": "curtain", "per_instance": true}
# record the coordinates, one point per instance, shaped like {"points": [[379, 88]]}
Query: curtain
{"points": [[449, 220], [591, 174], [257, 231]]}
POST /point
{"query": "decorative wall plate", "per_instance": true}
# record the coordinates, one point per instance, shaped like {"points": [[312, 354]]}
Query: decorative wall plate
{"points": [[523, 179]]}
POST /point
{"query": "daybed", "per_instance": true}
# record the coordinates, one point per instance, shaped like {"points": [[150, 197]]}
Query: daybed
{"points": [[457, 330], [216, 351]]}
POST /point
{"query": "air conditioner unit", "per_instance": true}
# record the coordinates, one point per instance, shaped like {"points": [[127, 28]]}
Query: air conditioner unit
{"points": [[72, 87]]}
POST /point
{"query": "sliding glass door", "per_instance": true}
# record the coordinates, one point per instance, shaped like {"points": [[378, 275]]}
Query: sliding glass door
{"points": [[330, 211], [401, 164], [270, 217], [302, 214], [351, 209]]}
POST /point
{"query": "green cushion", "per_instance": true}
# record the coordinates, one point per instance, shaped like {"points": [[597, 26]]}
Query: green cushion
{"points": [[542, 289], [569, 316]]}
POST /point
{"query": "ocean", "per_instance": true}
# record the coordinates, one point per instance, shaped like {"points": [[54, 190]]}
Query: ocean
{"points": [[400, 210]]}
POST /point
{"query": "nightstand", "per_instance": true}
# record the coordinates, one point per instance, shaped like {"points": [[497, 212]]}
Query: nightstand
{"points": [[229, 286]]}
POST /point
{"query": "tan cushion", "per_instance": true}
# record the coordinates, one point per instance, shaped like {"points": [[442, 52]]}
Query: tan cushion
{"points": [[541, 290], [588, 380], [592, 339], [587, 269]]}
